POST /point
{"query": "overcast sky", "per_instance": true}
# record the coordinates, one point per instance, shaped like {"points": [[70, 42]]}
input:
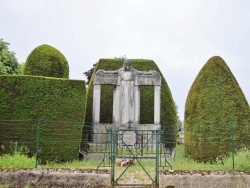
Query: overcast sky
{"points": [[179, 35]]}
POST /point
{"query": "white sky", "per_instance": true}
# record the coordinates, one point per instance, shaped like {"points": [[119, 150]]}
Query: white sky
{"points": [[179, 35]]}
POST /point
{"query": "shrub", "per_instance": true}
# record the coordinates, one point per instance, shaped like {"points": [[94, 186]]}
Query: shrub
{"points": [[59, 103], [46, 61], [214, 100]]}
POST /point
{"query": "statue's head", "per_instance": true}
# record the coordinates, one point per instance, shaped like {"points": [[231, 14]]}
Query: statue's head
{"points": [[127, 64]]}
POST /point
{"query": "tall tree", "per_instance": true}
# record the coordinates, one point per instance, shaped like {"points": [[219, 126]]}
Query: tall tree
{"points": [[8, 62]]}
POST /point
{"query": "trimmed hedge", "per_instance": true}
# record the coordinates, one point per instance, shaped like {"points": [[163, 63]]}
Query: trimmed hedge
{"points": [[168, 108], [60, 103], [46, 61], [215, 100]]}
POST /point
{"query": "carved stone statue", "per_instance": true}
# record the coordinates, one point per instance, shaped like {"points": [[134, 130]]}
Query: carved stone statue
{"points": [[126, 102], [127, 99], [126, 95]]}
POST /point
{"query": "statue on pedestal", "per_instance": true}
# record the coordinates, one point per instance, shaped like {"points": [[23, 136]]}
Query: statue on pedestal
{"points": [[126, 94]]}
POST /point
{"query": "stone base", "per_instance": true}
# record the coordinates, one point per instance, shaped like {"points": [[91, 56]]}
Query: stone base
{"points": [[96, 156], [55, 178], [98, 147]]}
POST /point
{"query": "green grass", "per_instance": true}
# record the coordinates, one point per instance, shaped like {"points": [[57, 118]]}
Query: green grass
{"points": [[88, 164], [180, 162], [19, 159]]}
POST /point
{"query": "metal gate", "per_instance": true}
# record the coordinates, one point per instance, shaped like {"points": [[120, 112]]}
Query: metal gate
{"points": [[134, 156]]}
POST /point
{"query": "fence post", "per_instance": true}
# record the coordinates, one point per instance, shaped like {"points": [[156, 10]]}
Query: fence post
{"points": [[37, 139], [157, 132], [232, 140]]}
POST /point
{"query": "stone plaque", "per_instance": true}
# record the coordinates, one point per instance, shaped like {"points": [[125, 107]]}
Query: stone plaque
{"points": [[129, 138]]}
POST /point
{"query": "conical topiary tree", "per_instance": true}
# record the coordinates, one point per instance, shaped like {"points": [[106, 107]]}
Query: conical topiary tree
{"points": [[215, 108], [46, 61], [168, 108]]}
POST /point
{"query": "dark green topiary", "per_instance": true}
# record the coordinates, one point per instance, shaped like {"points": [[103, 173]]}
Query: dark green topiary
{"points": [[214, 105], [168, 108], [59, 103], [46, 61]]}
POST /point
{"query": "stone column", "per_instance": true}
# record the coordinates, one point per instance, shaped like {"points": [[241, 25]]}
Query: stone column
{"points": [[137, 105], [116, 104], [96, 103], [157, 104]]}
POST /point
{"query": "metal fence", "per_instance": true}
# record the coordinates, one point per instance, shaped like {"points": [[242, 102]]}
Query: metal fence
{"points": [[96, 141], [64, 141], [225, 145], [44, 139]]}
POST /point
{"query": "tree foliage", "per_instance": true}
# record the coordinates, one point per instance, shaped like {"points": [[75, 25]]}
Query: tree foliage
{"points": [[46, 61], [8, 62], [215, 100]]}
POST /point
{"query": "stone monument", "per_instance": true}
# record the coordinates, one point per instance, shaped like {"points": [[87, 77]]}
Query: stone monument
{"points": [[126, 98]]}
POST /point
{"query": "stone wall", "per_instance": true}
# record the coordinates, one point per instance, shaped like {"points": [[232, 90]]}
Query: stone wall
{"points": [[206, 179], [54, 178], [101, 178]]}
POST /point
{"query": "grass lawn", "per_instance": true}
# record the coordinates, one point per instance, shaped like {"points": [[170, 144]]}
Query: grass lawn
{"points": [[241, 161]]}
